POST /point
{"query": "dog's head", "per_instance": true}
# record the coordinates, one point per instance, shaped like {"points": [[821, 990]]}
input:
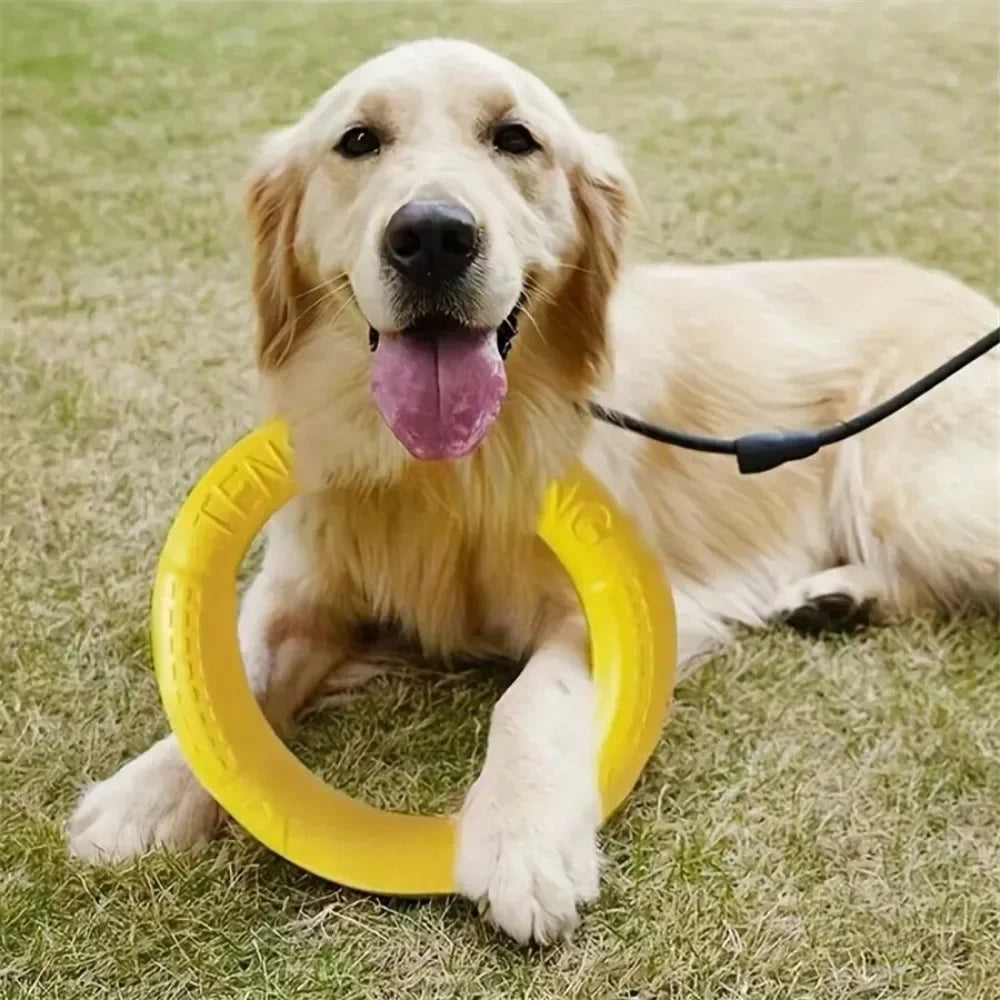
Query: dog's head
{"points": [[433, 204]]}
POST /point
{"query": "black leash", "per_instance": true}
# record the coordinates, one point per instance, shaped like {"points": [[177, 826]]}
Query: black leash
{"points": [[768, 449]]}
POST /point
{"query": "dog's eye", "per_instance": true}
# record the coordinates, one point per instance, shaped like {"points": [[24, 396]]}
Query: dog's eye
{"points": [[358, 142], [514, 139]]}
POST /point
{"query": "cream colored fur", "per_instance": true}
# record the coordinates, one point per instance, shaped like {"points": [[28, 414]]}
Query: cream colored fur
{"points": [[906, 516]]}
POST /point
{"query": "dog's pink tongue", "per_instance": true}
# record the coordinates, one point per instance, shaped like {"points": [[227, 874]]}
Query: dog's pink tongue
{"points": [[439, 395]]}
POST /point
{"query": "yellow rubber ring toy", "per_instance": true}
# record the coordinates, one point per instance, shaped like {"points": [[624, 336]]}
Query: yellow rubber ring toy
{"points": [[240, 760]]}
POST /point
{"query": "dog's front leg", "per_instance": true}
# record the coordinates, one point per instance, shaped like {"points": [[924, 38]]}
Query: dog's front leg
{"points": [[528, 830], [292, 639]]}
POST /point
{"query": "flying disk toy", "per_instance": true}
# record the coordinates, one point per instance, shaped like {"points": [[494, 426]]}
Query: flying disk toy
{"points": [[241, 761]]}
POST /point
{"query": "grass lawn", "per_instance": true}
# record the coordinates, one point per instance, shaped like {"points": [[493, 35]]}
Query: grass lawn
{"points": [[822, 819]]}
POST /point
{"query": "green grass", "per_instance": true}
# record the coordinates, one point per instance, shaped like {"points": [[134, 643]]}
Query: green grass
{"points": [[822, 819]]}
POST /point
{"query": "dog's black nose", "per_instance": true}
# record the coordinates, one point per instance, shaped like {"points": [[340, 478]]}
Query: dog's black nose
{"points": [[431, 242]]}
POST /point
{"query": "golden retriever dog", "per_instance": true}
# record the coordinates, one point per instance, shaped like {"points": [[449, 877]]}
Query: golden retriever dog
{"points": [[434, 203]]}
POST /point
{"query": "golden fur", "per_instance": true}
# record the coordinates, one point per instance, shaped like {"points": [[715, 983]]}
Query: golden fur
{"points": [[902, 519]]}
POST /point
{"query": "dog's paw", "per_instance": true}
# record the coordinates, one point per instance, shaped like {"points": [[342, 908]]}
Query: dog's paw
{"points": [[843, 599], [828, 613], [154, 801], [529, 862]]}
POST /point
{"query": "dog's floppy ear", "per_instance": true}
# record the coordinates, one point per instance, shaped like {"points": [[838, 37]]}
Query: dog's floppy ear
{"points": [[603, 197], [274, 194]]}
